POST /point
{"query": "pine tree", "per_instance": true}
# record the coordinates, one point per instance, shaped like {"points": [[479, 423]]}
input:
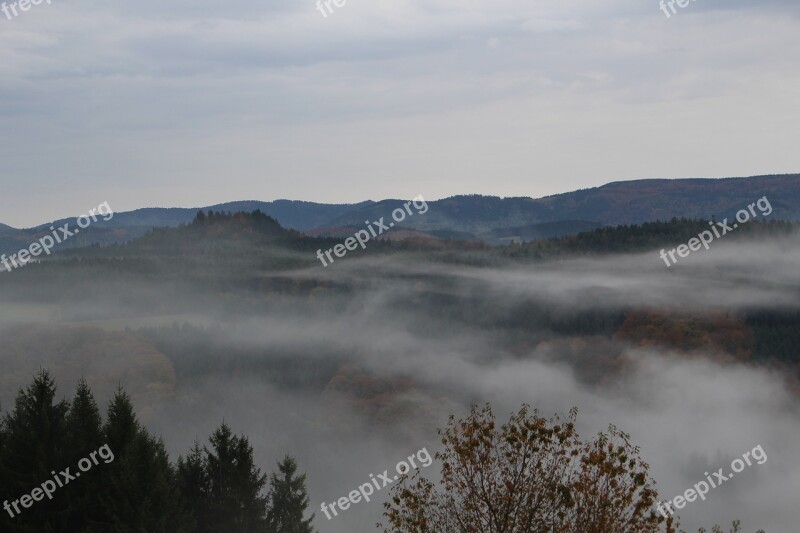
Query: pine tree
{"points": [[84, 425], [194, 487], [83, 436], [288, 500], [31, 450], [236, 503], [140, 491]]}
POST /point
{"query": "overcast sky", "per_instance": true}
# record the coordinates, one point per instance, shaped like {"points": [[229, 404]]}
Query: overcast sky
{"points": [[188, 103]]}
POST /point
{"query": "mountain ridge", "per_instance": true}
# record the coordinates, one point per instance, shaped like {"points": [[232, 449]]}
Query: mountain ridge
{"points": [[480, 217]]}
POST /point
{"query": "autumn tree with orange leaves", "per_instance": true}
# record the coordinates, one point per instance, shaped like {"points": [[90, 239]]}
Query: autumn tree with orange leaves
{"points": [[531, 475], [534, 474]]}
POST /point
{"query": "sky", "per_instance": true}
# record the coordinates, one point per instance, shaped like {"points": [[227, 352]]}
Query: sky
{"points": [[145, 104]]}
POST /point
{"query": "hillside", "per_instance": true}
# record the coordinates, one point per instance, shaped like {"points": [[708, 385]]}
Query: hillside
{"points": [[243, 263], [475, 217], [629, 202], [129, 225]]}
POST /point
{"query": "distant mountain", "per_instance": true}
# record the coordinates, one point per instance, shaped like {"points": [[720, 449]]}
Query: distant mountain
{"points": [[628, 202], [633, 202], [291, 214], [125, 226], [475, 217], [213, 231], [295, 214]]}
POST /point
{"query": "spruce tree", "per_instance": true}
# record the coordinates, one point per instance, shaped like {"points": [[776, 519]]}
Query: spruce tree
{"points": [[194, 487], [84, 425], [140, 491], [32, 449], [288, 500], [84, 435], [235, 503]]}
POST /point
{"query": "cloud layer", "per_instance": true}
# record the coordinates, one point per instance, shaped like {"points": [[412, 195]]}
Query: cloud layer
{"points": [[111, 101]]}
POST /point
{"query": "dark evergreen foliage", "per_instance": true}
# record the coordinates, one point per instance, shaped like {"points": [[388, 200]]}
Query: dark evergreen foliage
{"points": [[33, 445], [132, 486], [288, 500], [235, 500]]}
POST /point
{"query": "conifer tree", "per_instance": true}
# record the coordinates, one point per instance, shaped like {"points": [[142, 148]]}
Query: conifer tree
{"points": [[288, 500], [84, 435], [235, 503], [31, 450], [84, 425], [140, 491], [194, 487]]}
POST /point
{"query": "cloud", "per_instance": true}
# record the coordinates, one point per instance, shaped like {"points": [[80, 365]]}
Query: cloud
{"points": [[397, 343], [117, 97]]}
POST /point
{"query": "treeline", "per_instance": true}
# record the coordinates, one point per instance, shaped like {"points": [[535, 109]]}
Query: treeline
{"points": [[232, 252], [222, 251], [133, 487], [218, 234], [639, 237]]}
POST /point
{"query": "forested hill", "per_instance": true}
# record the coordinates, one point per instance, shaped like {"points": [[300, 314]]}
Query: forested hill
{"points": [[475, 217], [629, 202], [233, 247], [640, 238]]}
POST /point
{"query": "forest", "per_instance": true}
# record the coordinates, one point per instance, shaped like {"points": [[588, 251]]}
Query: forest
{"points": [[214, 487]]}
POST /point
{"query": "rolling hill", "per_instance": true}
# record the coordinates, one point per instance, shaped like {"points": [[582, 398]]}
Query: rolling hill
{"points": [[475, 217]]}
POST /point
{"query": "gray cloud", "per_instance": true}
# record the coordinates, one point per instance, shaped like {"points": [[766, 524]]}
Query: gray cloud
{"points": [[440, 330], [117, 98]]}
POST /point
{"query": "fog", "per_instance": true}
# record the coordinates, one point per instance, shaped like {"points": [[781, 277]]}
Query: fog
{"points": [[433, 337]]}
